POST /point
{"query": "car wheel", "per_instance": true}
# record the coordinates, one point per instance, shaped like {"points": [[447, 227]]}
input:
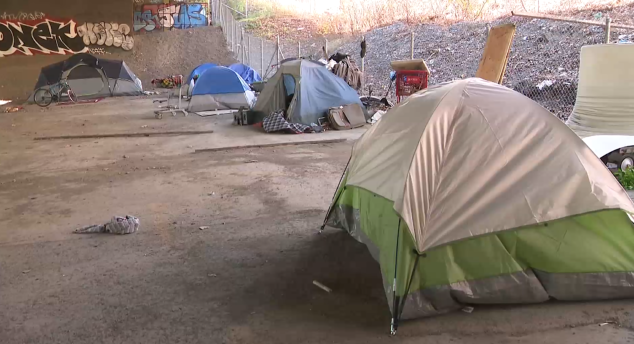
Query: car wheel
{"points": [[627, 163]]}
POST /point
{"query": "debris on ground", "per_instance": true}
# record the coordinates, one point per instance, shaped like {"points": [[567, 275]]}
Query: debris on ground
{"points": [[212, 275], [250, 161], [203, 227], [117, 225], [3, 102], [12, 109], [468, 309], [323, 287]]}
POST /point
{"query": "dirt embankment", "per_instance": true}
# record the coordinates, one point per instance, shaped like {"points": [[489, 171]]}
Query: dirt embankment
{"points": [[154, 55]]}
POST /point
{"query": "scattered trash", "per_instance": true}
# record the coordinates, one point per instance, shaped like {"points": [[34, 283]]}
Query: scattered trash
{"points": [[211, 194], [117, 225], [144, 126], [212, 275], [376, 117], [125, 156], [3, 102], [250, 161], [607, 323], [468, 309], [323, 287], [203, 227], [105, 169], [149, 93], [26, 271], [545, 83], [13, 109]]}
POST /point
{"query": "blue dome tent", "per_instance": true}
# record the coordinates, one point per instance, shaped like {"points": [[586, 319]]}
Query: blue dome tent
{"points": [[220, 88], [199, 71], [247, 73]]}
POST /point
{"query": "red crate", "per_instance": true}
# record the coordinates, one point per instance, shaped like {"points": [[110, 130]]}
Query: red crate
{"points": [[409, 82]]}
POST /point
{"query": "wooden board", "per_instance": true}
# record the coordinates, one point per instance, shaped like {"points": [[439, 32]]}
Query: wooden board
{"points": [[496, 53]]}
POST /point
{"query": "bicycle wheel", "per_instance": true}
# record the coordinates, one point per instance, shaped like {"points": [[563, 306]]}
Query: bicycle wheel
{"points": [[43, 97]]}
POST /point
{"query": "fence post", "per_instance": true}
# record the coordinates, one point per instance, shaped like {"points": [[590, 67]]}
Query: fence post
{"points": [[299, 49], [277, 51], [326, 48], [412, 45], [363, 69], [242, 52], [248, 49], [608, 22], [262, 58]]}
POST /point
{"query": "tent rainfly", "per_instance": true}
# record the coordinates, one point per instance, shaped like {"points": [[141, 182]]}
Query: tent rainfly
{"points": [[305, 90], [91, 77], [248, 74], [471, 193]]}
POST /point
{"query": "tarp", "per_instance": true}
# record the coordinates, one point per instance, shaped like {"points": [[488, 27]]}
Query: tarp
{"points": [[248, 74], [456, 162], [199, 71], [604, 104], [306, 90]]}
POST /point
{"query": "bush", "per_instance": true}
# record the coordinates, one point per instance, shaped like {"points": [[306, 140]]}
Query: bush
{"points": [[626, 178]]}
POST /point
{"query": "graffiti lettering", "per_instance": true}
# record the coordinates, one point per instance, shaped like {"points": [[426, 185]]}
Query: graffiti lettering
{"points": [[97, 51], [22, 16], [44, 37], [151, 17], [108, 34]]}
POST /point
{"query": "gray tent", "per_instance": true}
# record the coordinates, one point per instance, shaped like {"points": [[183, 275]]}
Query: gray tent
{"points": [[306, 90], [91, 77]]}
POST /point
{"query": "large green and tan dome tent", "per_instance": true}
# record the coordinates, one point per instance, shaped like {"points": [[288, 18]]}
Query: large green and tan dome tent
{"points": [[470, 193]]}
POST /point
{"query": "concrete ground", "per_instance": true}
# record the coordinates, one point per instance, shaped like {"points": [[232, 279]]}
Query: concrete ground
{"points": [[246, 278]]}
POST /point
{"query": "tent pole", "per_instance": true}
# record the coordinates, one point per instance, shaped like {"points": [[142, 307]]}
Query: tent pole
{"points": [[409, 284], [394, 325], [332, 204]]}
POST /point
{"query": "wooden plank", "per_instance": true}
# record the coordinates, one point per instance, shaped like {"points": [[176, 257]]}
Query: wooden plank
{"points": [[568, 20], [99, 136], [265, 145], [496, 53]]}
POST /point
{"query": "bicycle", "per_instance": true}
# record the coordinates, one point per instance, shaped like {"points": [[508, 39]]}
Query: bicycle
{"points": [[45, 96]]}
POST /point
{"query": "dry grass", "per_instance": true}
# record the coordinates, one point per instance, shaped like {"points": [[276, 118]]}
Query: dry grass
{"points": [[354, 16]]}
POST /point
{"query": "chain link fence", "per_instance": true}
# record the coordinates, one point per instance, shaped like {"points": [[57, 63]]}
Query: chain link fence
{"points": [[543, 62], [259, 53]]}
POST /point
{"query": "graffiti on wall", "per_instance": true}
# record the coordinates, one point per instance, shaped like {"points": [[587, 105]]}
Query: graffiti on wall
{"points": [[108, 34], [45, 37], [154, 17], [49, 36], [21, 16]]}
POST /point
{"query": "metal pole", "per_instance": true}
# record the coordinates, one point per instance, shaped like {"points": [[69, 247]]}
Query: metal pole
{"points": [[248, 50], [608, 23], [567, 20], [246, 8], [243, 52], [362, 69], [412, 45], [299, 49], [277, 49], [262, 58], [326, 46]]}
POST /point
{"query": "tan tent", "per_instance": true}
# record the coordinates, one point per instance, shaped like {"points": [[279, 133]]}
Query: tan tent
{"points": [[504, 202], [604, 104]]}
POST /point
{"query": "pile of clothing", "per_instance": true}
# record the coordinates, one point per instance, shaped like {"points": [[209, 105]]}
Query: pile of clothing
{"points": [[344, 66]]}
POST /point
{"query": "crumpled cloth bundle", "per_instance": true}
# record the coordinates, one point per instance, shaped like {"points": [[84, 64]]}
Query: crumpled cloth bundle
{"points": [[118, 225]]}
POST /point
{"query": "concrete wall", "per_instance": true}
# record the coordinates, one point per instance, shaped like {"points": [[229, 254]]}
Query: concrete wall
{"points": [[18, 73], [36, 33]]}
